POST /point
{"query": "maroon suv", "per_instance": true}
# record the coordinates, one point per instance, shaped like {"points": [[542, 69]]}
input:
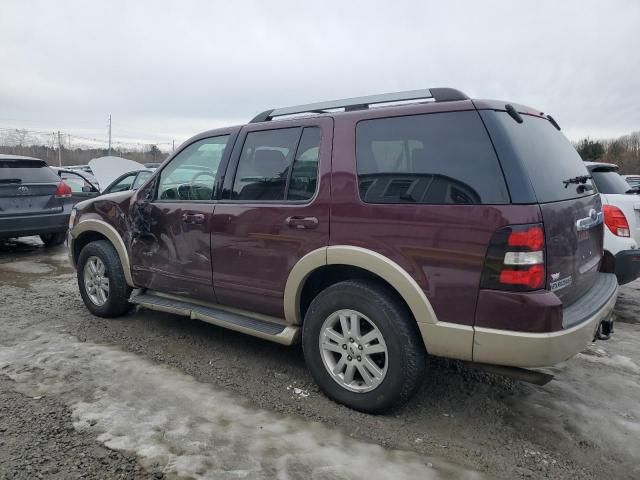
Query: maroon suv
{"points": [[373, 230]]}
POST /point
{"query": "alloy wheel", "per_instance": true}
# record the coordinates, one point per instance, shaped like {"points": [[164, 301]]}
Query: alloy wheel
{"points": [[353, 351], [96, 281]]}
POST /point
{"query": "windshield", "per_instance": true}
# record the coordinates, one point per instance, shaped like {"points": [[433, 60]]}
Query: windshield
{"points": [[610, 181]]}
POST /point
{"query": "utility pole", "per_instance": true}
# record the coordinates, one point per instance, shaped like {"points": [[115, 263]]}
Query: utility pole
{"points": [[173, 146], [59, 150], [109, 134]]}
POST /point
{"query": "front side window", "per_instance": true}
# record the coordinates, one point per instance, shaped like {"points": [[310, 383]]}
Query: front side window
{"points": [[264, 168], [192, 173], [122, 185], [140, 179], [438, 158]]}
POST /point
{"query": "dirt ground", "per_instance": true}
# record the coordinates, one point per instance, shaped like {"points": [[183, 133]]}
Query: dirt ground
{"points": [[154, 395]]}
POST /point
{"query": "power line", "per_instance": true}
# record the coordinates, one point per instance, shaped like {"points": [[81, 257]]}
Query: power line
{"points": [[22, 136]]}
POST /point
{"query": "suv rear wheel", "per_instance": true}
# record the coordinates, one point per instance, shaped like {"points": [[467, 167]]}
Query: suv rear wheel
{"points": [[362, 346], [53, 239], [101, 280]]}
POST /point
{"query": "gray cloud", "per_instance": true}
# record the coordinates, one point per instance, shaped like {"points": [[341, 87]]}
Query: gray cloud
{"points": [[171, 69]]}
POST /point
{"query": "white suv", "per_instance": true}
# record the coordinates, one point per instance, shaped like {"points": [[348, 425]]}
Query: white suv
{"points": [[621, 207]]}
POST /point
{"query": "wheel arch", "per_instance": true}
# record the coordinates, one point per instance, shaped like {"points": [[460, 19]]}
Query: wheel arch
{"points": [[91, 230], [361, 261], [440, 338]]}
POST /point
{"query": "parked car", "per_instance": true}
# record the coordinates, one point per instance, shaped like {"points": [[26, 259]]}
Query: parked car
{"points": [[33, 200], [371, 234], [128, 181], [632, 180], [110, 170], [621, 207], [83, 185]]}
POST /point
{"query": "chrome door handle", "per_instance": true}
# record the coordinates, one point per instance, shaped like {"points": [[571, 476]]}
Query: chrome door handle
{"points": [[301, 222]]}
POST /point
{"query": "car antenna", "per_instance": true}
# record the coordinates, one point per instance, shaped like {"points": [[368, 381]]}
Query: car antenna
{"points": [[513, 113]]}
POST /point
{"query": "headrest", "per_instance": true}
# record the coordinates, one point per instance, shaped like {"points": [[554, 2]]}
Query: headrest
{"points": [[269, 162]]}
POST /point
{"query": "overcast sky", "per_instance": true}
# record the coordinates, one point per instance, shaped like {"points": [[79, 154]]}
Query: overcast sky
{"points": [[171, 69]]}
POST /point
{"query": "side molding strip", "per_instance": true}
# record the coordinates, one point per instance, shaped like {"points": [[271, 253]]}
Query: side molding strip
{"points": [[92, 225]]}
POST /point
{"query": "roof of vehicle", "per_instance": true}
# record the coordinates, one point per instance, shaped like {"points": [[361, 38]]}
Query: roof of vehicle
{"points": [[602, 166], [6, 156], [397, 103], [396, 100]]}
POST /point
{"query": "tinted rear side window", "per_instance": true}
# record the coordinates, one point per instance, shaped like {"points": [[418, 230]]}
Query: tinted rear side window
{"points": [[546, 155], [439, 158], [26, 171], [264, 164]]}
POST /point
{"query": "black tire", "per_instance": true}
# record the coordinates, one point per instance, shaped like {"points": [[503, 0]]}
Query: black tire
{"points": [[53, 239], [117, 302], [406, 355]]}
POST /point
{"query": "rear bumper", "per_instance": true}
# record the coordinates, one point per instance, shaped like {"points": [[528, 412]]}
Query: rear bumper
{"points": [[524, 349], [33, 224], [627, 266]]}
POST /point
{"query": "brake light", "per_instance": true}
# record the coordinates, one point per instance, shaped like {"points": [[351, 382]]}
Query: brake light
{"points": [[63, 191], [532, 238], [616, 221], [515, 259], [532, 277]]}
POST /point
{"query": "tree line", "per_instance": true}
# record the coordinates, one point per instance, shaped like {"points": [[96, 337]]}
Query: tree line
{"points": [[624, 151], [81, 156]]}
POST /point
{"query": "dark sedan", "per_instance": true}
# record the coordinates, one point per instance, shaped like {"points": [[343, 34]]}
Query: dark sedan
{"points": [[33, 200]]}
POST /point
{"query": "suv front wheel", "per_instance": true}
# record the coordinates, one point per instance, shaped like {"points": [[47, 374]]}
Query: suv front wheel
{"points": [[101, 280], [362, 346]]}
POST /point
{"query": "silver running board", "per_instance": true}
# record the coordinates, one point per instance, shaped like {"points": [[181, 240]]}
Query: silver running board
{"points": [[233, 320]]}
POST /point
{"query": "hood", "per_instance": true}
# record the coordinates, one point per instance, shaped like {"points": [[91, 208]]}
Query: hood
{"points": [[107, 169]]}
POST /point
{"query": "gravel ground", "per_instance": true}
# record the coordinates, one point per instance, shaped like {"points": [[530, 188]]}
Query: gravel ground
{"points": [[462, 422], [38, 440]]}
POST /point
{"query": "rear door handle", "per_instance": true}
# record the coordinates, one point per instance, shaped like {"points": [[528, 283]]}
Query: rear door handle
{"points": [[192, 218], [301, 222]]}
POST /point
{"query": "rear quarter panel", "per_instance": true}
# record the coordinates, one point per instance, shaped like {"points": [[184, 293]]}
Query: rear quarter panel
{"points": [[441, 246]]}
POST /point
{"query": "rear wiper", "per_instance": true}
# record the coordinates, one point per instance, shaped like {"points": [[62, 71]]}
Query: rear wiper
{"points": [[10, 180], [579, 179]]}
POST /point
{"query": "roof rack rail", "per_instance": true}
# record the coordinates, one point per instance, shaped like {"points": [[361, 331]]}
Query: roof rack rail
{"points": [[362, 103]]}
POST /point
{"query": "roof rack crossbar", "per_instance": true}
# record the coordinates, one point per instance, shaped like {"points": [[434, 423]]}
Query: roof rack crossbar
{"points": [[360, 103]]}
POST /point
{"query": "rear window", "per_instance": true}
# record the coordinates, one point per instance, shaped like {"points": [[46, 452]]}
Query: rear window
{"points": [[610, 181], [439, 158], [547, 157], [26, 171]]}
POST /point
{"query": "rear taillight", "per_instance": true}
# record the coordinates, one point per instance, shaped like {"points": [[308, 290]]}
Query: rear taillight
{"points": [[63, 191], [515, 259], [616, 221]]}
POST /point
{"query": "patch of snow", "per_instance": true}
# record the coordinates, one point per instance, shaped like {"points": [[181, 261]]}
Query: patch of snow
{"points": [[191, 429]]}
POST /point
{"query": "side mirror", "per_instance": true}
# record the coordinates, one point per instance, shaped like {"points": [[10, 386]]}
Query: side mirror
{"points": [[87, 189]]}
